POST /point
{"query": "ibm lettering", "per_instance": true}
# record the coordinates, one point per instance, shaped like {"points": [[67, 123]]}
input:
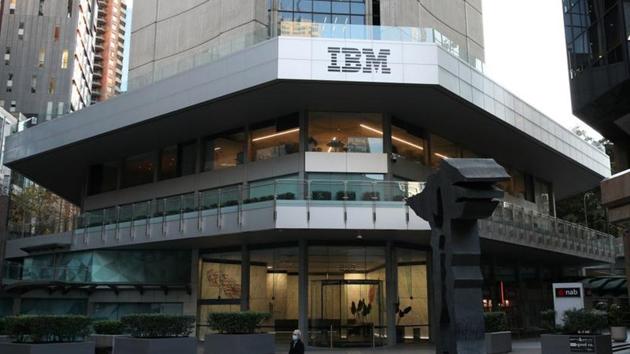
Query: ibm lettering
{"points": [[359, 60], [376, 61]]}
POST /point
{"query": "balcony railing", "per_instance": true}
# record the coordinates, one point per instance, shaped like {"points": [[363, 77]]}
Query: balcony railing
{"points": [[509, 223]]}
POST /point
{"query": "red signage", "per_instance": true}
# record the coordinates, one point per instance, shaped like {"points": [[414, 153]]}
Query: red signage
{"points": [[568, 292]]}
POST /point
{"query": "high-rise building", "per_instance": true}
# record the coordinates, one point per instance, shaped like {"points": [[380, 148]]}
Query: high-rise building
{"points": [[110, 46], [263, 160], [598, 45], [48, 48]]}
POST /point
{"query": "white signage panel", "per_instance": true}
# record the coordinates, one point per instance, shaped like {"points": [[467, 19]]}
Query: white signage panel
{"points": [[567, 296]]}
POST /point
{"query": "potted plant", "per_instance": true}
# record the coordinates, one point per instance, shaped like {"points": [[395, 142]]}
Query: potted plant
{"points": [[3, 331], [617, 321], [236, 334], [400, 314], [581, 333], [156, 334], [104, 334], [548, 320], [47, 334], [360, 311], [498, 335]]}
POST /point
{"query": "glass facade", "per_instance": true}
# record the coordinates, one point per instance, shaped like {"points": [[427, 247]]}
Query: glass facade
{"points": [[48, 306], [346, 302], [177, 160], [138, 170], [114, 311], [224, 151], [323, 11], [407, 144], [275, 138], [103, 178], [345, 132]]}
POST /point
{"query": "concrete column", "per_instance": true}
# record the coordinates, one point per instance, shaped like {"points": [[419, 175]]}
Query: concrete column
{"points": [[194, 278], [391, 274], [244, 278], [303, 290]]}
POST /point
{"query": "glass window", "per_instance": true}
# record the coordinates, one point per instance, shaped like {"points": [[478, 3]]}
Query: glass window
{"points": [[49, 306], [345, 186], [407, 145], [224, 151], [413, 298], [346, 292], [64, 59], [115, 311], [168, 162], [345, 132], [322, 11], [278, 138], [274, 288], [442, 149], [178, 160], [138, 170], [103, 178]]}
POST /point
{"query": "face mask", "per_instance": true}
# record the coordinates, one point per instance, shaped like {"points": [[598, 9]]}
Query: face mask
{"points": [[295, 337]]}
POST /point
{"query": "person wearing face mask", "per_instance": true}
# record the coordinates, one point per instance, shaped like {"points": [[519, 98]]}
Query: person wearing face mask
{"points": [[296, 346]]}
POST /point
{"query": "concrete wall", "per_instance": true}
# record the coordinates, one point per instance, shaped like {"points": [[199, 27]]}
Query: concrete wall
{"points": [[459, 20], [169, 37]]}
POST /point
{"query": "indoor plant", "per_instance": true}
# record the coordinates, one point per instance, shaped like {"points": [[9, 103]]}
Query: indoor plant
{"points": [[237, 334], [498, 335], [581, 332], [48, 334], [156, 334], [617, 321], [400, 314]]}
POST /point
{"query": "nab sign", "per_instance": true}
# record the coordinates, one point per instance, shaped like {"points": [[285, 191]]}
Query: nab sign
{"points": [[358, 60], [568, 292]]}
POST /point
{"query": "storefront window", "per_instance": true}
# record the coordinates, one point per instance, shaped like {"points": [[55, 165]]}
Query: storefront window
{"points": [[224, 151], [220, 289], [138, 170], [103, 178], [407, 145], [442, 149], [345, 132], [347, 296], [274, 289], [277, 138], [413, 298], [47, 306]]}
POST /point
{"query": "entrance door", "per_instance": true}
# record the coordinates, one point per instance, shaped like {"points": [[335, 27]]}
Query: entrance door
{"points": [[347, 313]]}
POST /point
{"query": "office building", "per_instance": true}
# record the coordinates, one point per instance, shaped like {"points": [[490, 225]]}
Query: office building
{"points": [[110, 46], [272, 174]]}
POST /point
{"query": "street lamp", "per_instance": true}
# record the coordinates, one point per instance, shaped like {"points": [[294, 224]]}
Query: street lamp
{"points": [[588, 194]]}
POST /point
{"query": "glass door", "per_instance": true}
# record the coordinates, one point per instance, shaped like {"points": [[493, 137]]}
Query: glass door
{"points": [[346, 313]]}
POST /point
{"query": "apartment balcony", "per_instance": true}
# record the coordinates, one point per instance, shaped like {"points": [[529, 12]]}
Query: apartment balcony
{"points": [[305, 206]]}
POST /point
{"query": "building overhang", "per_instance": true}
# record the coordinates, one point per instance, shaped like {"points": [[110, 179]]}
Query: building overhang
{"points": [[425, 86]]}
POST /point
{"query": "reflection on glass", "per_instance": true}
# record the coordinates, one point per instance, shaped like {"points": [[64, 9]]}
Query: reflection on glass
{"points": [[412, 295], [168, 162], [345, 186], [345, 132], [279, 138], [224, 151], [442, 149], [407, 145], [138, 170], [274, 289]]}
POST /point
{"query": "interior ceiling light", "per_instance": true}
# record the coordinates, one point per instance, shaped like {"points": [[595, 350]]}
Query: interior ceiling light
{"points": [[441, 156], [277, 134], [393, 137]]}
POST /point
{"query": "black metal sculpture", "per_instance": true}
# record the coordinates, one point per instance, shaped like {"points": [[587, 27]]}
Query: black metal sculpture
{"points": [[453, 200]]}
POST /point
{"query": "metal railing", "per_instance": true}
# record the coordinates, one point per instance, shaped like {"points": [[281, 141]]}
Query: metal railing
{"points": [[518, 225], [509, 223]]}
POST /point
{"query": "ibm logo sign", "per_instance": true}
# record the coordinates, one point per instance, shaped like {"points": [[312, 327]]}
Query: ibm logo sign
{"points": [[356, 60]]}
